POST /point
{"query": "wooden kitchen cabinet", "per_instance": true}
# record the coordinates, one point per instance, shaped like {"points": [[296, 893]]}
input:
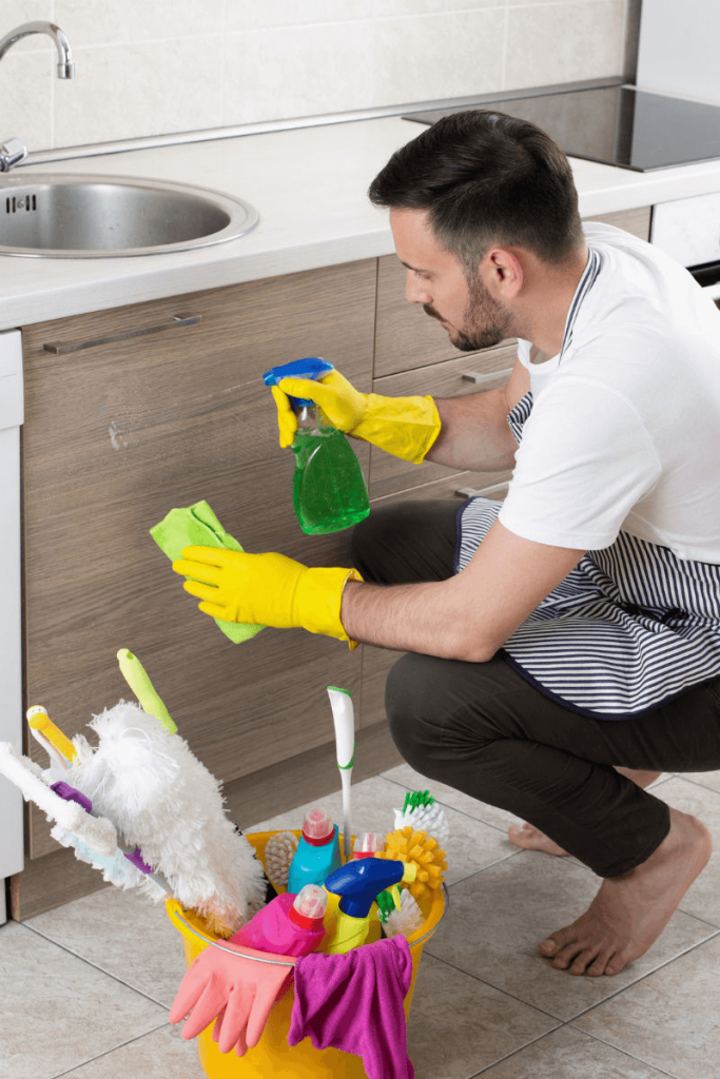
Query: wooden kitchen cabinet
{"points": [[116, 434]]}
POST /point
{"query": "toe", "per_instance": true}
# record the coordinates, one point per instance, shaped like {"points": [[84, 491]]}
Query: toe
{"points": [[566, 955], [581, 962], [552, 944], [599, 963], [618, 962]]}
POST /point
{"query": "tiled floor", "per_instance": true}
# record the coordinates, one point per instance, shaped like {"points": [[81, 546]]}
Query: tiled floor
{"points": [[84, 990]]}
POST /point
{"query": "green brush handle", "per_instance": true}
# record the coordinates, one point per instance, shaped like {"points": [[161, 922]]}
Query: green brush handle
{"points": [[139, 682]]}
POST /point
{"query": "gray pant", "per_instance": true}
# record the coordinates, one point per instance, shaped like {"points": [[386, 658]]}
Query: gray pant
{"points": [[482, 729]]}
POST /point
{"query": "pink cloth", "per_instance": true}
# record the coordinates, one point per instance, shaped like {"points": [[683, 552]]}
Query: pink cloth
{"points": [[354, 1002]]}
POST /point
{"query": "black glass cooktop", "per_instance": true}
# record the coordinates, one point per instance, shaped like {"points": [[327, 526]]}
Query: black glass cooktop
{"points": [[616, 125]]}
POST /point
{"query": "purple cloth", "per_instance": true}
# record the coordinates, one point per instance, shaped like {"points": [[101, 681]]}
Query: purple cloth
{"points": [[354, 1002]]}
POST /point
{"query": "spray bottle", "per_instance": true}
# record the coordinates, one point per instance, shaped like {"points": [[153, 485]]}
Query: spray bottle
{"points": [[317, 854], [289, 925], [329, 490], [357, 883]]}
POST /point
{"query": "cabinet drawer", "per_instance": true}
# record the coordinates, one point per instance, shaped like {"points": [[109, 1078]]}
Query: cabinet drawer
{"points": [[453, 378], [405, 337], [636, 221]]}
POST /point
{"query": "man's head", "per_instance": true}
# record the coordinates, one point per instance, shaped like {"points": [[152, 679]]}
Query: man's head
{"points": [[477, 202]]}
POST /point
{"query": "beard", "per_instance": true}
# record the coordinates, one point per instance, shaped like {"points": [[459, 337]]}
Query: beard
{"points": [[485, 322]]}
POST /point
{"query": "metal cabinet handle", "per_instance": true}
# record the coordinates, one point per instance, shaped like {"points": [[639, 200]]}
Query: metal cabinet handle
{"points": [[479, 378], [486, 492], [62, 348]]}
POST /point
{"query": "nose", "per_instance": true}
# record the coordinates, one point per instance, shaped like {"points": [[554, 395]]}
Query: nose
{"points": [[416, 290]]}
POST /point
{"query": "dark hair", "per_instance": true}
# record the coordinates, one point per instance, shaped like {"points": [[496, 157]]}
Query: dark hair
{"points": [[485, 177]]}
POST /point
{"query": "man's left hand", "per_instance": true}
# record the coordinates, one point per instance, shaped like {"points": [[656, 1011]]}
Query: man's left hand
{"points": [[266, 589]]}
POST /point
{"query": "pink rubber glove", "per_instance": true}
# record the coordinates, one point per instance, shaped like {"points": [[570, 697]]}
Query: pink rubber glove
{"points": [[238, 992]]}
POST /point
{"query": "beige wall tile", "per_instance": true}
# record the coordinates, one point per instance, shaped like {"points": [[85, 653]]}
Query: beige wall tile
{"points": [[552, 43], [669, 1020], [26, 89], [244, 15], [141, 89], [15, 12], [296, 72], [437, 56], [97, 22]]}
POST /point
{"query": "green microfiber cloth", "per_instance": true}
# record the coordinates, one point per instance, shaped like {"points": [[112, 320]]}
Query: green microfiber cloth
{"points": [[197, 526]]}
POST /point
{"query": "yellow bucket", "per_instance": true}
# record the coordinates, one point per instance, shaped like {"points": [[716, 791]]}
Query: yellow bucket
{"points": [[272, 1056]]}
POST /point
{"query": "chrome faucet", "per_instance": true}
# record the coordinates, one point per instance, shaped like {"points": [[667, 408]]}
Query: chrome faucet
{"points": [[13, 151]]}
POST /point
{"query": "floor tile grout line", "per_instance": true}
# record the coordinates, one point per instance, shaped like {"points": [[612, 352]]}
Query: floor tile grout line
{"points": [[94, 966], [697, 783], [91, 1060], [563, 1026], [490, 865], [643, 977], [698, 918], [520, 1049], [497, 988], [631, 1056]]}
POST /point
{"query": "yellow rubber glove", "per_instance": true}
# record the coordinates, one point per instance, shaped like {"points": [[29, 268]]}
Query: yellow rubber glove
{"points": [[406, 427], [268, 589]]}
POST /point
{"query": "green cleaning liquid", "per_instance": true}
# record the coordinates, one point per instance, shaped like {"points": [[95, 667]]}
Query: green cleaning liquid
{"points": [[329, 491]]}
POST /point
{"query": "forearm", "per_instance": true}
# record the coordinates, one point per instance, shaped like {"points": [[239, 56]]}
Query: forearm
{"points": [[407, 617], [475, 434]]}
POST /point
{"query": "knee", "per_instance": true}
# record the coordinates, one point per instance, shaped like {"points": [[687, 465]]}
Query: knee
{"points": [[421, 721]]}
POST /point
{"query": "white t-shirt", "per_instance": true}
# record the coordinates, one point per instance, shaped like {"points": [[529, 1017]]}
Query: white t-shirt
{"points": [[624, 431]]}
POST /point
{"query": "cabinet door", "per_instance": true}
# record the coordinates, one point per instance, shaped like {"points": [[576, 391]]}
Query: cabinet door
{"points": [[122, 424]]}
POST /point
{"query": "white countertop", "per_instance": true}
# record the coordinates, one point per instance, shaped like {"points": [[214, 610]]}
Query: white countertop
{"points": [[309, 186]]}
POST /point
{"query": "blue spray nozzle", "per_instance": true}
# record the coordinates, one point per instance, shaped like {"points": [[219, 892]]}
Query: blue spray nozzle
{"points": [[308, 367], [358, 882]]}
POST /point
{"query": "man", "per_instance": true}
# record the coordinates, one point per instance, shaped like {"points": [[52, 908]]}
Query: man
{"points": [[567, 647]]}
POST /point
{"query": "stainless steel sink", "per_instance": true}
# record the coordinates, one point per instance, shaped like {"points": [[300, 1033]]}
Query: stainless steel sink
{"points": [[80, 216]]}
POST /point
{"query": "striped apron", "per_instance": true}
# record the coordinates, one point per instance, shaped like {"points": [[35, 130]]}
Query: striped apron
{"points": [[628, 629]]}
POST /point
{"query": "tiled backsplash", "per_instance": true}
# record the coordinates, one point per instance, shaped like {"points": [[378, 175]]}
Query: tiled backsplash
{"points": [[147, 67]]}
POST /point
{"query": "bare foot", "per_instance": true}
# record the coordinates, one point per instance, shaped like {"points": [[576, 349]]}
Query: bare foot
{"points": [[630, 912], [529, 837]]}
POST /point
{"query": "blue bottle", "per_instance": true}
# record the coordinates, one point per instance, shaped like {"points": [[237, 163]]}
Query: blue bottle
{"points": [[317, 854]]}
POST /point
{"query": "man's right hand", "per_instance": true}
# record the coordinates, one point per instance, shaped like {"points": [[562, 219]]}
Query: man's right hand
{"points": [[406, 427], [343, 405]]}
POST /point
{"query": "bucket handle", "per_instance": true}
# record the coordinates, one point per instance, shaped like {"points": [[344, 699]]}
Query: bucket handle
{"points": [[230, 951], [282, 962]]}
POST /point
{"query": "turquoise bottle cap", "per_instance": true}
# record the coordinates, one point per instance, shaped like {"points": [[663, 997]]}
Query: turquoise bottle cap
{"points": [[309, 367]]}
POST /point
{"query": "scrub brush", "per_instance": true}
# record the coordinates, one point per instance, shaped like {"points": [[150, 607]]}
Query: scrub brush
{"points": [[399, 914], [279, 853], [422, 812], [421, 850]]}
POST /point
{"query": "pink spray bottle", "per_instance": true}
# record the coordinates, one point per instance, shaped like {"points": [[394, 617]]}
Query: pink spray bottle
{"points": [[288, 925]]}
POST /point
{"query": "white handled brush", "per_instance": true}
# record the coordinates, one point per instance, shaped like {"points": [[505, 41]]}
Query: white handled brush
{"points": [[344, 723]]}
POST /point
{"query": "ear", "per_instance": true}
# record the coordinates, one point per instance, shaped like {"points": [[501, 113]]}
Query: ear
{"points": [[504, 272]]}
